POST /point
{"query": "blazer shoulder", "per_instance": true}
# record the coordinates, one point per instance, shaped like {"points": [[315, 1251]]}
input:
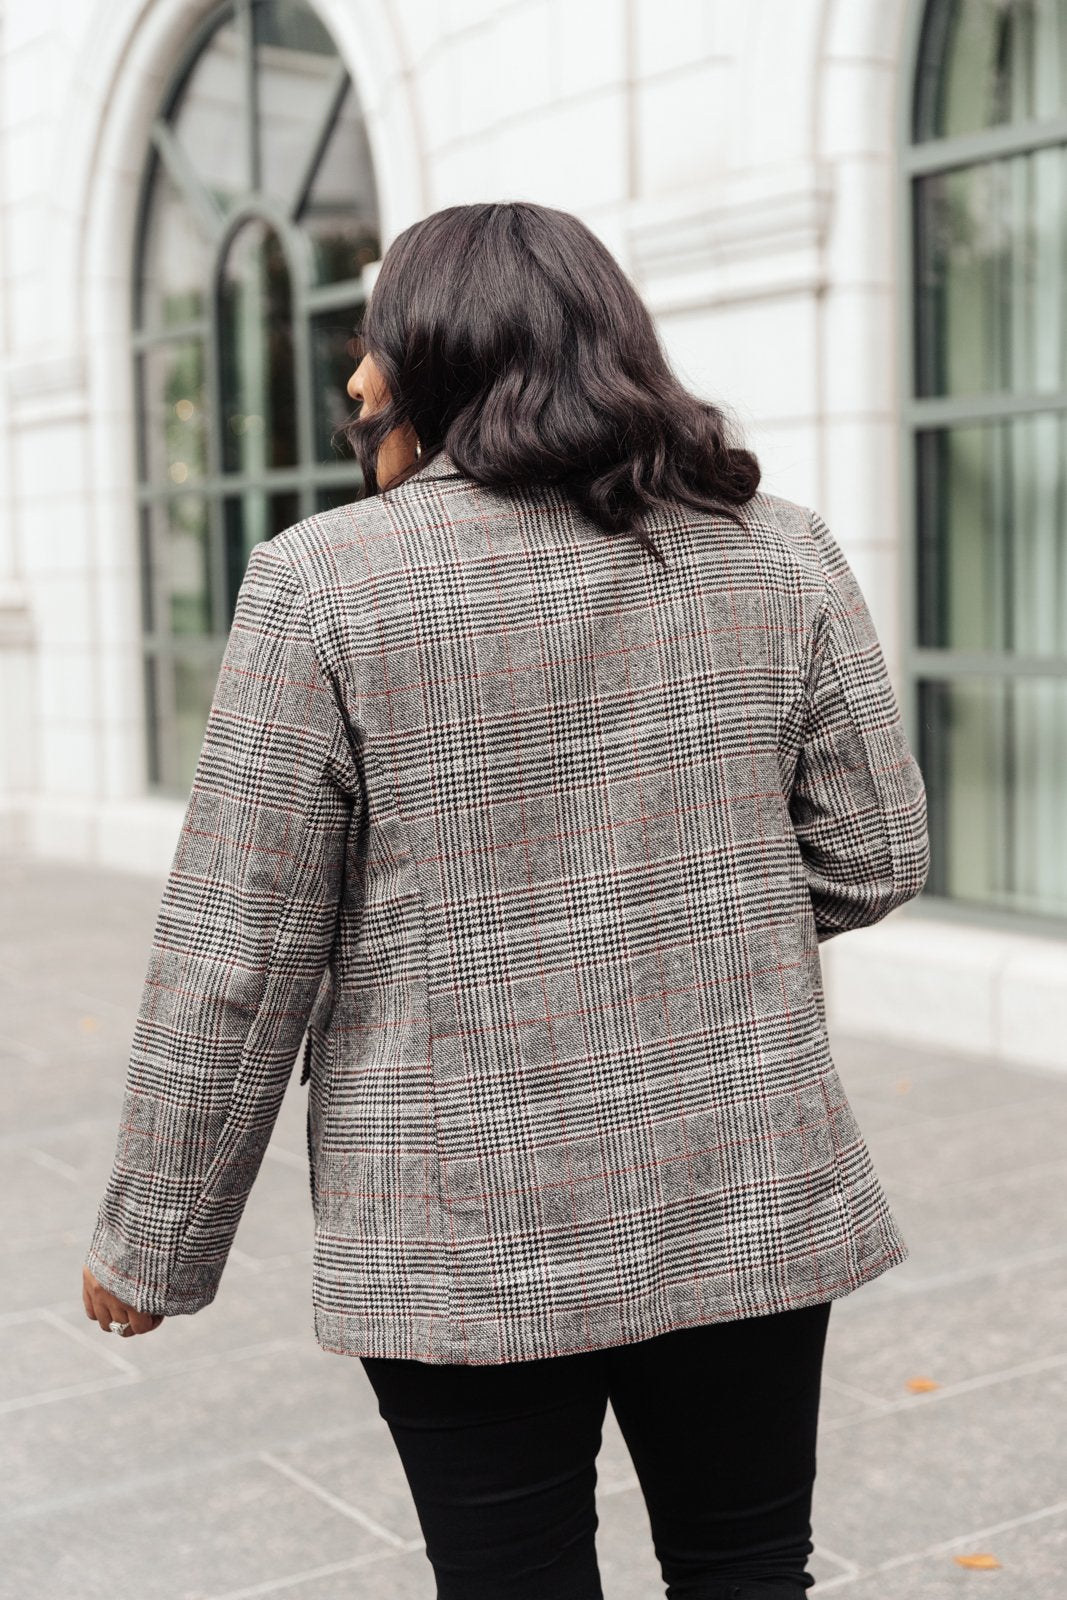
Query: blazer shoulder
{"points": [[793, 526], [788, 517], [342, 543]]}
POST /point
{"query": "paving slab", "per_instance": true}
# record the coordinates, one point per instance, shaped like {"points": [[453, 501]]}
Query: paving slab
{"points": [[952, 1334], [963, 1150], [222, 1527], [906, 1480], [226, 1455], [1032, 1556]]}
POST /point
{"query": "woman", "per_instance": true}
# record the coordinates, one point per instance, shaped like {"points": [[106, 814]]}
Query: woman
{"points": [[532, 782]]}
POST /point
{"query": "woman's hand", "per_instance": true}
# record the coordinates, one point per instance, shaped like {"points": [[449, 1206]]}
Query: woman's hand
{"points": [[104, 1307]]}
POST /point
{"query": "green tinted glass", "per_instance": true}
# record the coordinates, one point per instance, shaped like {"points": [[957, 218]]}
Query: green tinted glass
{"points": [[174, 413], [331, 368], [258, 207], [340, 212], [183, 560], [248, 519], [296, 74], [984, 63], [177, 258], [992, 567], [991, 277], [209, 116], [994, 753], [256, 372]]}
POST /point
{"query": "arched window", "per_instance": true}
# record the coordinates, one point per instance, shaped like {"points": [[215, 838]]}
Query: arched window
{"points": [[258, 214], [986, 412]]}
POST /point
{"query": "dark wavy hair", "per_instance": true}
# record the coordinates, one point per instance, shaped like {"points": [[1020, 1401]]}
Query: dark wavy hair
{"points": [[509, 336]]}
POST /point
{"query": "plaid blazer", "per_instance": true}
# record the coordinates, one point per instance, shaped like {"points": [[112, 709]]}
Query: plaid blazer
{"points": [[532, 842]]}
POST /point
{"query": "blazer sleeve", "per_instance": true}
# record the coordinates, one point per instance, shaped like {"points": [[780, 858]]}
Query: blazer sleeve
{"points": [[858, 801], [244, 931]]}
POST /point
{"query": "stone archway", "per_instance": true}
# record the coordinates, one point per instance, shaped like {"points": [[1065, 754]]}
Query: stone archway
{"points": [[86, 238]]}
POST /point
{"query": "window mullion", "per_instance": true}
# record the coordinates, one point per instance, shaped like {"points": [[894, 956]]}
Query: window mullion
{"points": [[335, 296], [988, 144], [321, 140], [244, 21], [201, 202], [949, 663], [213, 383]]}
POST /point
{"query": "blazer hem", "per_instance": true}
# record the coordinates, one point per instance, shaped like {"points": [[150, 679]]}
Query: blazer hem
{"points": [[429, 1339]]}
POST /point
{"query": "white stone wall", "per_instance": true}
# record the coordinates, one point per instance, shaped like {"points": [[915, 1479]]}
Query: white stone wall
{"points": [[738, 156]]}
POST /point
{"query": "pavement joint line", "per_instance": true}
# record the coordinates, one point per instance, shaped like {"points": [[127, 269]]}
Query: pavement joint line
{"points": [[30, 1053], [241, 1352], [942, 1065], [30, 1313], [42, 1397], [975, 1114], [949, 1391], [107, 1348], [115, 1489], [899, 1189], [378, 1529], [54, 1164], [853, 1390], [286, 1158], [851, 1568], [139, 1375], [989, 1180], [265, 1264], [915, 1284], [944, 1546], [243, 1259], [276, 1585], [42, 1241]]}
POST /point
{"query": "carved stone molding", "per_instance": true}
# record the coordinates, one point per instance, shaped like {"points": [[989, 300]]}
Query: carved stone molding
{"points": [[46, 388], [16, 618], [751, 234]]}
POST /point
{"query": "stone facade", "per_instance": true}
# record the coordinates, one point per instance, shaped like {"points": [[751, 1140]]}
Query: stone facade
{"points": [[741, 160]]}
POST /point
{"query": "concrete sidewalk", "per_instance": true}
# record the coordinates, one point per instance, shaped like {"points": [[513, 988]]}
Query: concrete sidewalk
{"points": [[226, 1455]]}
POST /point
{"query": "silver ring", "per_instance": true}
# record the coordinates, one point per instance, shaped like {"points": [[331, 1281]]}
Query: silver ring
{"points": [[118, 1327]]}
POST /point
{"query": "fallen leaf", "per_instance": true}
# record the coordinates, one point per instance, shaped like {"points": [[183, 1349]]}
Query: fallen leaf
{"points": [[982, 1560], [922, 1385]]}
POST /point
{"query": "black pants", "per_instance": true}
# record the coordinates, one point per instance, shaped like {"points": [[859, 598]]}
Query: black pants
{"points": [[720, 1421]]}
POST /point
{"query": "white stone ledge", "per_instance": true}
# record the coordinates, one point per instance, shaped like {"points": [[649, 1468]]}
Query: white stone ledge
{"points": [[760, 233], [941, 984], [135, 835], [16, 616], [49, 375]]}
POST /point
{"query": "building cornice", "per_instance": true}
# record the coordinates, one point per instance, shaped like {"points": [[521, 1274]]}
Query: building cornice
{"points": [[753, 234]]}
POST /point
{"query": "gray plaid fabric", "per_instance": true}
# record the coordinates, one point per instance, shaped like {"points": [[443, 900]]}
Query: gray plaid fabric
{"points": [[532, 842]]}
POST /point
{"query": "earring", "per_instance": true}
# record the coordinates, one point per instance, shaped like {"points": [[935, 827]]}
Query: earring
{"points": [[418, 450]]}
